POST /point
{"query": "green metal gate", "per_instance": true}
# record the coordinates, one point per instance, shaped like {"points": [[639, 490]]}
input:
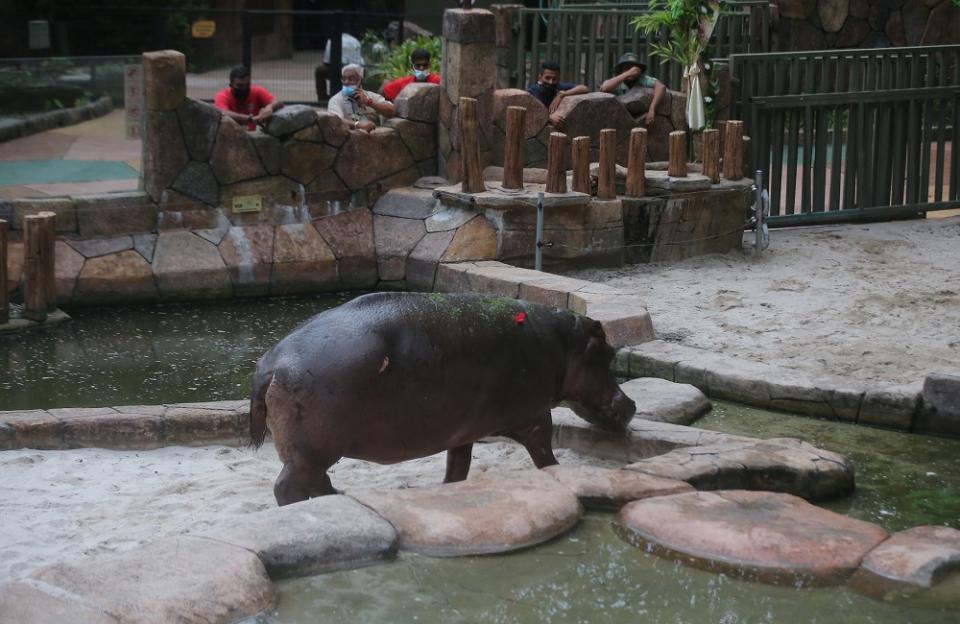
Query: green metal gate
{"points": [[852, 134]]}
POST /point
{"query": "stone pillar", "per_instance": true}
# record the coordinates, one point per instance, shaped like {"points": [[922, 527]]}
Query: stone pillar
{"points": [[469, 70], [164, 153], [505, 16]]}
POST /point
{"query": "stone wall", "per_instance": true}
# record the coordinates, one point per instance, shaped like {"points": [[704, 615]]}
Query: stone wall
{"points": [[830, 24]]}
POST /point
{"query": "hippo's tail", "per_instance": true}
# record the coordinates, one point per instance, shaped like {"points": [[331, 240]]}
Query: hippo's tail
{"points": [[258, 409]]}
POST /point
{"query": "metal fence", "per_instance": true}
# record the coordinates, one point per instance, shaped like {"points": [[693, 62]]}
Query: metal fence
{"points": [[60, 81], [852, 134], [587, 40]]}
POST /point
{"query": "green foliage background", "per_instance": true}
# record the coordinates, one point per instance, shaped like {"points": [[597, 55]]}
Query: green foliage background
{"points": [[385, 63]]}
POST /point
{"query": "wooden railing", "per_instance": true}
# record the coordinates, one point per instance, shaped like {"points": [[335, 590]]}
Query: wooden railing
{"points": [[587, 40]]}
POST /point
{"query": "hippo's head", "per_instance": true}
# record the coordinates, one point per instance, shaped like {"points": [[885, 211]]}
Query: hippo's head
{"points": [[589, 388]]}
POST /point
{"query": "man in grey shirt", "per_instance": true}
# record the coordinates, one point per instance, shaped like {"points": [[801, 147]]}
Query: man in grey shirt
{"points": [[359, 109]]}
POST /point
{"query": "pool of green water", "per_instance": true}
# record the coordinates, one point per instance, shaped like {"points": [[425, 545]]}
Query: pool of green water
{"points": [[148, 354], [587, 575]]}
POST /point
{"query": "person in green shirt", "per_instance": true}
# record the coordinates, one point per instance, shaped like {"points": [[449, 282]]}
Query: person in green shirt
{"points": [[629, 73]]}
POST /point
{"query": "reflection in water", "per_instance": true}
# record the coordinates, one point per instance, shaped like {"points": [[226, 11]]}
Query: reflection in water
{"points": [[148, 354], [587, 575]]}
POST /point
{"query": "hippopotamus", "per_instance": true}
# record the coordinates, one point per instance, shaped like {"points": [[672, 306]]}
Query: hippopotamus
{"points": [[389, 377]]}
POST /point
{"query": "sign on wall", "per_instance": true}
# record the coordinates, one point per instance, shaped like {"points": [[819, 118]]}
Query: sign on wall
{"points": [[203, 29], [133, 100]]}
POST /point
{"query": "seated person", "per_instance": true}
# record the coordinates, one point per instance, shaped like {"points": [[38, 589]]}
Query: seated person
{"points": [[420, 60], [350, 52], [550, 91], [244, 103], [629, 72], [357, 108]]}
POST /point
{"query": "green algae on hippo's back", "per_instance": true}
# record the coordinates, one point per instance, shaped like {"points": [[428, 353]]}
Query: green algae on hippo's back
{"points": [[390, 377]]}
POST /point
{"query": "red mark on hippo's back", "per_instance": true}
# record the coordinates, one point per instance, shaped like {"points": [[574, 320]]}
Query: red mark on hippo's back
{"points": [[520, 317]]}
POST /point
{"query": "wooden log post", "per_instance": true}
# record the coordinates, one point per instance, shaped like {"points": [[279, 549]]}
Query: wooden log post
{"points": [[48, 251], [733, 150], [677, 166], [747, 171], [711, 154], [513, 148], [607, 177], [581, 164], [637, 163], [471, 173], [556, 171], [4, 301], [34, 289]]}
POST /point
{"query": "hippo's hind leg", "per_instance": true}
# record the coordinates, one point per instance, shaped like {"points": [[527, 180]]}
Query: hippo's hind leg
{"points": [[458, 463], [537, 438], [300, 481]]}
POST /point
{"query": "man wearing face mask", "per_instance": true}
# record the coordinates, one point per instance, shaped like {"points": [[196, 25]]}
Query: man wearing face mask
{"points": [[358, 109], [550, 91], [420, 60], [246, 104]]}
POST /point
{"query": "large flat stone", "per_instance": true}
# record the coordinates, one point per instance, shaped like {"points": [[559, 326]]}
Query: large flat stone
{"points": [[200, 122], [395, 238], [312, 537], [113, 431], [164, 152], [368, 157], [488, 513], [533, 120], [290, 119], [68, 266], [603, 488], [63, 207], [779, 465], [274, 191], [475, 240], [187, 266], [939, 410], [32, 602], [407, 202], [269, 149], [200, 425], [248, 254], [110, 214], [181, 579], [302, 260], [93, 247], [666, 401], [909, 562], [468, 71], [422, 262], [420, 138], [196, 180], [122, 277], [304, 161], [587, 115], [419, 101], [762, 536], [234, 157], [164, 80], [350, 237], [37, 429], [469, 26]]}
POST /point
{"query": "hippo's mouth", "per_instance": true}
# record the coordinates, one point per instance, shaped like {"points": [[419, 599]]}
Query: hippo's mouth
{"points": [[613, 418]]}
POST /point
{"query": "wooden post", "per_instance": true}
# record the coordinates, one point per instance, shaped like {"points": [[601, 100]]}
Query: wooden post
{"points": [[711, 154], [4, 303], [556, 172], [637, 163], [34, 290], [677, 167], [513, 148], [733, 150], [607, 178], [471, 173], [581, 164], [747, 172], [48, 251]]}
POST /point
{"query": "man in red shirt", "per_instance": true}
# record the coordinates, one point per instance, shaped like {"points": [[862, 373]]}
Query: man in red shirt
{"points": [[420, 59], [246, 104]]}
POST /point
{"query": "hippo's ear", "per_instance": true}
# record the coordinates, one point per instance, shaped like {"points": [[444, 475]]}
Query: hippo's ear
{"points": [[596, 330]]}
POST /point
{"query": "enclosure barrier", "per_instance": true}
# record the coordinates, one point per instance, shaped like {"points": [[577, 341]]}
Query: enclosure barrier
{"points": [[470, 147], [580, 159], [4, 299], [39, 293], [556, 168], [587, 40], [513, 148], [637, 163]]}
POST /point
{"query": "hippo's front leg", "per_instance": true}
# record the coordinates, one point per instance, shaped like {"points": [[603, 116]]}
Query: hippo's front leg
{"points": [[537, 438], [458, 463]]}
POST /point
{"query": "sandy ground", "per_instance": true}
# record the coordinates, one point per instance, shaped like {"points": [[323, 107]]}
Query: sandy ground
{"points": [[59, 505], [870, 302]]}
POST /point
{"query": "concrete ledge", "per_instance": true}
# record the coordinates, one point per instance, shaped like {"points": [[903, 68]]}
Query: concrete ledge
{"points": [[40, 122], [888, 405]]}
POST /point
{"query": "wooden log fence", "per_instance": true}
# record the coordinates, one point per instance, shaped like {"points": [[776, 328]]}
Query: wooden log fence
{"points": [[733, 150], [711, 154], [4, 299], [471, 173], [677, 146], [513, 148], [581, 164], [556, 169], [607, 176], [636, 163]]}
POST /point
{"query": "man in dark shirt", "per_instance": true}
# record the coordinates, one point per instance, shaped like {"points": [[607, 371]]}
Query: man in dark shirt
{"points": [[550, 91]]}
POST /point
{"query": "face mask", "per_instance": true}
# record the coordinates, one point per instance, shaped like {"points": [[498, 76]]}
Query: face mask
{"points": [[421, 74], [349, 90], [240, 93]]}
